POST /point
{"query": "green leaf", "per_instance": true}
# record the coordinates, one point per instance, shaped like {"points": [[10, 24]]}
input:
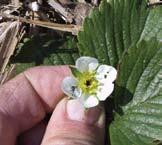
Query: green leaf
{"points": [[115, 26], [45, 50], [120, 33], [138, 93]]}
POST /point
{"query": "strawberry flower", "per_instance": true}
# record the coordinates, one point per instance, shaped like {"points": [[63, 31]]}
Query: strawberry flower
{"points": [[90, 82]]}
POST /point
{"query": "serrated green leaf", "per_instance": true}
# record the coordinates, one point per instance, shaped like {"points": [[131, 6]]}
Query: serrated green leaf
{"points": [[139, 94], [115, 26], [115, 33]]}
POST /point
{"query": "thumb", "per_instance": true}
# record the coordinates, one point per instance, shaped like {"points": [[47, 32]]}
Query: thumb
{"points": [[71, 124]]}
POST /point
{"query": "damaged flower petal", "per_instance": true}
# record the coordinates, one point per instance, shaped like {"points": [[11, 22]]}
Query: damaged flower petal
{"points": [[69, 87]]}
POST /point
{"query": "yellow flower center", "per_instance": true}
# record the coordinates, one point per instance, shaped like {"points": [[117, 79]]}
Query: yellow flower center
{"points": [[88, 83]]}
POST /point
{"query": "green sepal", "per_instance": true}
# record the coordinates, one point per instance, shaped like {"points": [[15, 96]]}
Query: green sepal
{"points": [[74, 71]]}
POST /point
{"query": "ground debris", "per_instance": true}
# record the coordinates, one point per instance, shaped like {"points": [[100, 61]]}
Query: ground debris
{"points": [[19, 18]]}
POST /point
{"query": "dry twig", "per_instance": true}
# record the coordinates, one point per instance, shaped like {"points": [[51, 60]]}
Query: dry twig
{"points": [[74, 29], [15, 3], [67, 16], [8, 74]]}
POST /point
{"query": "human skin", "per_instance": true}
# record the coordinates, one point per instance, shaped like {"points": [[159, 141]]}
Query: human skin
{"points": [[26, 100]]}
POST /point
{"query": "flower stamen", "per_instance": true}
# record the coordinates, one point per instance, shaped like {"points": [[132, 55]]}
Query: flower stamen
{"points": [[88, 83]]}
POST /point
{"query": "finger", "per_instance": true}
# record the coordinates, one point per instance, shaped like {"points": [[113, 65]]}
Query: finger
{"points": [[46, 82], [34, 135], [70, 124], [25, 100]]}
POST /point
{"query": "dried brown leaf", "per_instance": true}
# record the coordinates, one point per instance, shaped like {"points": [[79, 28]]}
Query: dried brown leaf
{"points": [[8, 42]]}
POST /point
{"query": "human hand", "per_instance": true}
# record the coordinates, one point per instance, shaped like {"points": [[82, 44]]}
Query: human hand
{"points": [[29, 97]]}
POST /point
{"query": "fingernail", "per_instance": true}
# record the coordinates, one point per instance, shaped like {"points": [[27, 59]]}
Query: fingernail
{"points": [[77, 112]]}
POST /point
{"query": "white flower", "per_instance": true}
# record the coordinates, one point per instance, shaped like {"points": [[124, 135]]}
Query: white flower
{"points": [[90, 82]]}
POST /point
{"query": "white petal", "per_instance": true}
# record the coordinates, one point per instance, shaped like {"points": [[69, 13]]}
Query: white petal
{"points": [[91, 101], [82, 63], [105, 91], [69, 87], [92, 66], [106, 73]]}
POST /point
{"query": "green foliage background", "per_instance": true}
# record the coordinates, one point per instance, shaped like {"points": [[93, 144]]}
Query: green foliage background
{"points": [[127, 34], [45, 49]]}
